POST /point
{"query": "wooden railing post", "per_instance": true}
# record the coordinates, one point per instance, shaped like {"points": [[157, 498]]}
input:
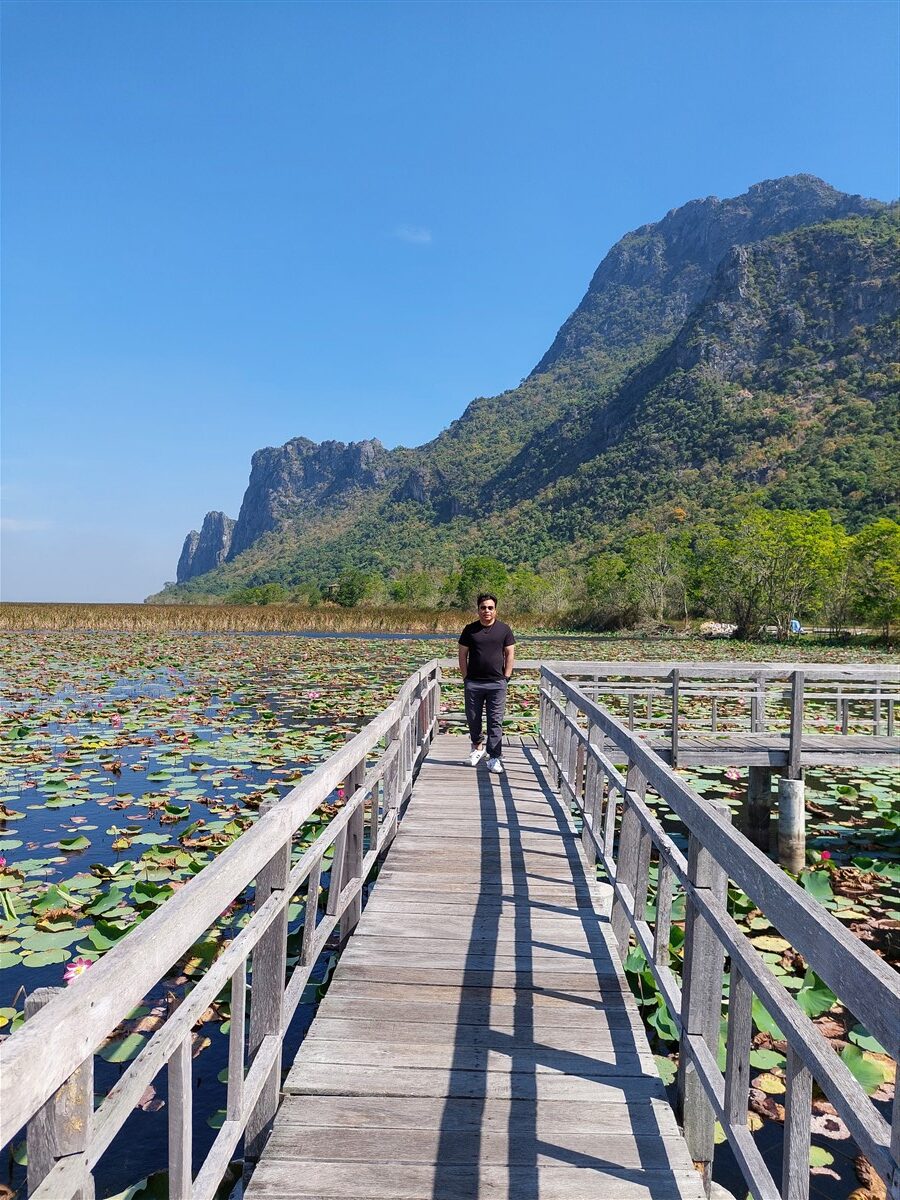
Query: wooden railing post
{"points": [[62, 1126], [797, 1114], [269, 965], [353, 850], [593, 787], [701, 1001], [795, 746], [758, 705], [180, 1120], [676, 678], [628, 857]]}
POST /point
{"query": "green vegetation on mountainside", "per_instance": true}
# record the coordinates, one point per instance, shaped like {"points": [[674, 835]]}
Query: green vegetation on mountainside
{"points": [[780, 388]]}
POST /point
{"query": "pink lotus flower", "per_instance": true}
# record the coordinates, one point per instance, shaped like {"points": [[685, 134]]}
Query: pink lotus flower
{"points": [[340, 793], [313, 695], [116, 721], [733, 774], [2, 861], [826, 854], [76, 967]]}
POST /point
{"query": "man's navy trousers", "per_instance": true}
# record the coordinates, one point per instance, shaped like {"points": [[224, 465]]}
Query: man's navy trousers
{"points": [[492, 694]]}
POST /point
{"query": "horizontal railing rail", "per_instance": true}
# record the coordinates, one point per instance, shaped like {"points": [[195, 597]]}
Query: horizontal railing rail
{"points": [[46, 1067], [784, 703], [580, 740]]}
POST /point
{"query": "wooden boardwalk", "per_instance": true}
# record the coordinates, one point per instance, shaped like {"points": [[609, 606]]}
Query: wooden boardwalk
{"points": [[774, 750], [479, 1038]]}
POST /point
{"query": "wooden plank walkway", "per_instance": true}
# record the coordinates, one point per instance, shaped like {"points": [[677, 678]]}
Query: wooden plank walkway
{"points": [[478, 1038]]}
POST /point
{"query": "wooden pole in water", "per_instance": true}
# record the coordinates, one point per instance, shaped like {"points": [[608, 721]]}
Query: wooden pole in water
{"points": [[759, 806], [791, 789], [792, 823]]}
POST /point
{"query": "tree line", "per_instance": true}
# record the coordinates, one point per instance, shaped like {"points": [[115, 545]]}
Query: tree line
{"points": [[760, 569]]}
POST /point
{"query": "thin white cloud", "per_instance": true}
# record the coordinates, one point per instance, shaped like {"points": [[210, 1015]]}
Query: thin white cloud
{"points": [[416, 235], [20, 525]]}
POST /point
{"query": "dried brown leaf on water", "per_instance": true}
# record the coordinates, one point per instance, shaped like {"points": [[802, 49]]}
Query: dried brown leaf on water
{"points": [[829, 1126], [149, 1101], [873, 1185], [765, 1105]]}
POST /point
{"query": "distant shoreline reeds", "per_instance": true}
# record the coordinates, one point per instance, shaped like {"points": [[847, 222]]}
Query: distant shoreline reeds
{"points": [[233, 618]]}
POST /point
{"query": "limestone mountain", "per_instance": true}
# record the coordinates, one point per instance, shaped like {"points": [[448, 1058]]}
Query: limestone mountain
{"points": [[736, 345]]}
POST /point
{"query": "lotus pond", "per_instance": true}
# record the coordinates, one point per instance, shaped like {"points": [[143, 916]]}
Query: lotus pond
{"points": [[130, 761]]}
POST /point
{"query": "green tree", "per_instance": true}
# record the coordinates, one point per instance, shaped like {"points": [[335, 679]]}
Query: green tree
{"points": [[414, 588], [266, 593], [351, 588], [480, 574], [526, 591], [876, 573], [605, 591], [771, 566], [657, 574]]}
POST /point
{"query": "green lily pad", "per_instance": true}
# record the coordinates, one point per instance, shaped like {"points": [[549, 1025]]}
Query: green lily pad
{"points": [[45, 958], [123, 1049], [867, 1072], [74, 844]]}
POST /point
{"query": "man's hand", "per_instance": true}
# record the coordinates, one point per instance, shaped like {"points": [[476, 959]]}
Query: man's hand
{"points": [[509, 659], [463, 660]]}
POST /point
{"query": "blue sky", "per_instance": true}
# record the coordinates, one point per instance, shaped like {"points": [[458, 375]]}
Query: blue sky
{"points": [[229, 224]]}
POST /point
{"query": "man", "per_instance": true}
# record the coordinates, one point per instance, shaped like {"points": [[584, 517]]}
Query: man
{"points": [[486, 658]]}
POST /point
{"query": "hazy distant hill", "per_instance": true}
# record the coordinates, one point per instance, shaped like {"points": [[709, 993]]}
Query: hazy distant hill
{"points": [[736, 345]]}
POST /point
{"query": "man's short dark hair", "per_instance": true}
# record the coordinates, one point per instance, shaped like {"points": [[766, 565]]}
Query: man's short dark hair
{"points": [[486, 596]]}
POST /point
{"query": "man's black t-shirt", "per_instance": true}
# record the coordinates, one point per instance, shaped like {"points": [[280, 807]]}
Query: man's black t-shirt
{"points": [[485, 644]]}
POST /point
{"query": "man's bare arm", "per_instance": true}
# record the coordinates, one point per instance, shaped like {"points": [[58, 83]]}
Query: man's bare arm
{"points": [[509, 660], [463, 660]]}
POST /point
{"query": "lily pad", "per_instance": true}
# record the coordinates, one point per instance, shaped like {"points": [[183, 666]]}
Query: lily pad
{"points": [[123, 1049]]}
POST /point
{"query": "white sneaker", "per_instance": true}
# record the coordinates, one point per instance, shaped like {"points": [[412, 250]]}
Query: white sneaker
{"points": [[495, 765], [476, 756]]}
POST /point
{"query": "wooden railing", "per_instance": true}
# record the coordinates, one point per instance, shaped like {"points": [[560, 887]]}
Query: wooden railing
{"points": [[695, 697], [699, 697], [582, 743], [46, 1067]]}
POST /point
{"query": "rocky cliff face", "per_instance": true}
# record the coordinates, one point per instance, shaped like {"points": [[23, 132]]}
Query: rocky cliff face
{"points": [[204, 551], [286, 481], [702, 339], [653, 277]]}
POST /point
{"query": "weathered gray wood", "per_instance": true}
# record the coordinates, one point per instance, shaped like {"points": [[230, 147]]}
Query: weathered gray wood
{"points": [[319, 1079], [758, 704], [180, 1121], [759, 806], [797, 1112], [796, 736], [412, 1181], [505, 992], [673, 748], [629, 856], [267, 995], [864, 982], [737, 1054], [210, 1175], [663, 925], [234, 1109], [61, 1127], [547, 1119], [353, 850], [620, 1149], [701, 1001]]}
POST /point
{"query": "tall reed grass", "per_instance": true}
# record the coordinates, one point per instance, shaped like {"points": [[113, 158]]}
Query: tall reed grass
{"points": [[230, 618]]}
